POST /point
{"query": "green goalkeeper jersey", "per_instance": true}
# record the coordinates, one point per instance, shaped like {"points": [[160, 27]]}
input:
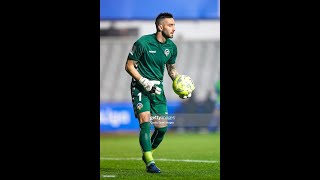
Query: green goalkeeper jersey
{"points": [[152, 56]]}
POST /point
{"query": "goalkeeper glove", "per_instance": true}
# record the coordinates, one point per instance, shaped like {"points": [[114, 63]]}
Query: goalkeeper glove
{"points": [[150, 85]]}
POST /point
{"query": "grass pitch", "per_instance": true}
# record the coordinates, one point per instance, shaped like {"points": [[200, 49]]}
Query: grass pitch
{"points": [[180, 156]]}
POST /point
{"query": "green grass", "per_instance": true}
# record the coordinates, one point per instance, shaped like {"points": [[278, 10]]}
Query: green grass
{"points": [[174, 146]]}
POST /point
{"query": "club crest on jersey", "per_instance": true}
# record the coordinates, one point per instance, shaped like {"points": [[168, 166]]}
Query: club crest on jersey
{"points": [[166, 52], [139, 106]]}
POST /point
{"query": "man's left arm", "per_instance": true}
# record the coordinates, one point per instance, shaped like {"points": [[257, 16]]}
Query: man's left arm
{"points": [[172, 71]]}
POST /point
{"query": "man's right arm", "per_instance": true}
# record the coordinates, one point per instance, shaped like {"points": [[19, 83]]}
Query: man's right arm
{"points": [[130, 68], [132, 60], [146, 83]]}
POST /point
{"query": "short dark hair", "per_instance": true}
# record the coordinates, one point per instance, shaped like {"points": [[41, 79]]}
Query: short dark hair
{"points": [[162, 16]]}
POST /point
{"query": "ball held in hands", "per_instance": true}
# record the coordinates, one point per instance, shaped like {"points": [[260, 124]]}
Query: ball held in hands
{"points": [[183, 86]]}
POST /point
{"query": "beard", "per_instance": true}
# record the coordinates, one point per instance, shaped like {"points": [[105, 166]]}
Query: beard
{"points": [[166, 35]]}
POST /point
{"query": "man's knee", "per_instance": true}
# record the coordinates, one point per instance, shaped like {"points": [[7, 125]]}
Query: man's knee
{"points": [[144, 117], [162, 130], [160, 123]]}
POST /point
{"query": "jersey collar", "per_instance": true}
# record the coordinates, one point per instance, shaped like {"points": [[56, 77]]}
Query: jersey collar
{"points": [[156, 40]]}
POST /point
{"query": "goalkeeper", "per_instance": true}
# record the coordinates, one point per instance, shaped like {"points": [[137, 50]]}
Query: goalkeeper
{"points": [[145, 63]]}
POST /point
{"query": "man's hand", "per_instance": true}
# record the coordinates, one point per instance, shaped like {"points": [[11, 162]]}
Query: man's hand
{"points": [[185, 97], [150, 85]]}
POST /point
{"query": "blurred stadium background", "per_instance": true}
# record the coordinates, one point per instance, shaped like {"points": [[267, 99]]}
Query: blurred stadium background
{"points": [[197, 37]]}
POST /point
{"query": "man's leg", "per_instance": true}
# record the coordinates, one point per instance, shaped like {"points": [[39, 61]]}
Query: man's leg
{"points": [[145, 142], [157, 136], [141, 105], [144, 137], [160, 123], [159, 111]]}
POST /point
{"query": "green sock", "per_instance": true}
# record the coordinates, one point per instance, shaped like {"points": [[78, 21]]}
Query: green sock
{"points": [[144, 137], [157, 136]]}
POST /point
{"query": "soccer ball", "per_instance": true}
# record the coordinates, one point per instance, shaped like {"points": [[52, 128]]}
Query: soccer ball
{"points": [[183, 85]]}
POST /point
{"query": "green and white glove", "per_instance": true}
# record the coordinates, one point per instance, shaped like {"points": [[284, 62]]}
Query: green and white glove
{"points": [[150, 85]]}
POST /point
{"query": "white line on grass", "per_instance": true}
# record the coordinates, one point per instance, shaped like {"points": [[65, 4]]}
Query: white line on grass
{"points": [[173, 160], [108, 175]]}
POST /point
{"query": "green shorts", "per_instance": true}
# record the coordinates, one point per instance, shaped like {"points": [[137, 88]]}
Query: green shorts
{"points": [[143, 101]]}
